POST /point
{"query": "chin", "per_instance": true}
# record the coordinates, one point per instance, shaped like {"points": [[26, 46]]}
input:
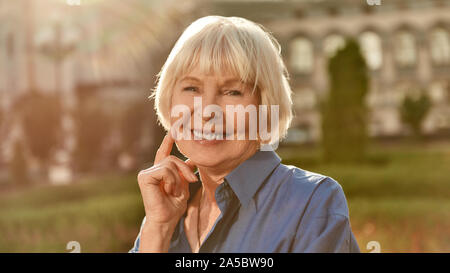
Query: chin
{"points": [[206, 154]]}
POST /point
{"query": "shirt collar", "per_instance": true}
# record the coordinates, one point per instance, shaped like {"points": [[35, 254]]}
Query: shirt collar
{"points": [[246, 178]]}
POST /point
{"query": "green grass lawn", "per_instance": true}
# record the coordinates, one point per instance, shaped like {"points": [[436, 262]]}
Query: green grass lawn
{"points": [[403, 202], [103, 215]]}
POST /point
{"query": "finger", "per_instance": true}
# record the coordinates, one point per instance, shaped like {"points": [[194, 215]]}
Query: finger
{"points": [[164, 177], [168, 181], [190, 164], [164, 149], [178, 186], [174, 165], [184, 168]]}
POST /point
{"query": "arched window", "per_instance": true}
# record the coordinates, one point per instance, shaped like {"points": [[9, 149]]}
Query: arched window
{"points": [[405, 48], [440, 46], [301, 55], [333, 43], [371, 48]]}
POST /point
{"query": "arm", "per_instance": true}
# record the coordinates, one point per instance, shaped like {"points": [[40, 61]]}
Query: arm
{"points": [[327, 234], [156, 238], [325, 225], [152, 238]]}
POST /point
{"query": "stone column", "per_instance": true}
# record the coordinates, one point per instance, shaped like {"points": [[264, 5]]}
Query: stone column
{"points": [[319, 74], [424, 69], [388, 70]]}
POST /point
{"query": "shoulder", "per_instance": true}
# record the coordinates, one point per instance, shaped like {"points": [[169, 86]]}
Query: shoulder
{"points": [[317, 192]]}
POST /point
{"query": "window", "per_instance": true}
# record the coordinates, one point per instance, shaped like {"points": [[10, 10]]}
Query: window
{"points": [[332, 44], [301, 55], [371, 48], [440, 46], [405, 48]]}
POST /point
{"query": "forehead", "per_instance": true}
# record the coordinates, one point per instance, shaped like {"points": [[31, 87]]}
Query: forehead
{"points": [[223, 76]]}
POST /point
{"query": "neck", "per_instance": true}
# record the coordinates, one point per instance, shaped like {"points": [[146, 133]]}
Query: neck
{"points": [[212, 177]]}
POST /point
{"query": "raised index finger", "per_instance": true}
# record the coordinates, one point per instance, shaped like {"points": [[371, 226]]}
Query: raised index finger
{"points": [[164, 149]]}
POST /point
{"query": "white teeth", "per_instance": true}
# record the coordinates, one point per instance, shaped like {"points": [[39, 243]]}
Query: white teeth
{"points": [[208, 136]]}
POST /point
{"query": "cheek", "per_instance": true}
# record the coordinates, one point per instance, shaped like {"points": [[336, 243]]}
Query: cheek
{"points": [[236, 116], [177, 101]]}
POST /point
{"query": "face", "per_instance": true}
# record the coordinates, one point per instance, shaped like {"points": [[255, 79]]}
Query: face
{"points": [[221, 90]]}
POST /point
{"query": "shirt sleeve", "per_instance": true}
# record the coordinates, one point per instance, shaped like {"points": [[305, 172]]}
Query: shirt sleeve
{"points": [[135, 248], [325, 224]]}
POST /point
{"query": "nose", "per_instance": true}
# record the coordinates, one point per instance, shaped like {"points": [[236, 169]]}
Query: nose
{"points": [[207, 107], [208, 97]]}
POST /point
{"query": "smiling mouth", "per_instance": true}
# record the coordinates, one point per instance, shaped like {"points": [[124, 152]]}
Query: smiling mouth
{"points": [[199, 135]]}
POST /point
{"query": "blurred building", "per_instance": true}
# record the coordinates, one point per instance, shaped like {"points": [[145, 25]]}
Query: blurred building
{"points": [[114, 48], [110, 50], [406, 44]]}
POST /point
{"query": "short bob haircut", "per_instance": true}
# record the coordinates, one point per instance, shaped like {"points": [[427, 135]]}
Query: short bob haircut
{"points": [[216, 43]]}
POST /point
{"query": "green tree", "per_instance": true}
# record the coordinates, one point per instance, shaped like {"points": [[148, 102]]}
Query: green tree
{"points": [[413, 111], [344, 113]]}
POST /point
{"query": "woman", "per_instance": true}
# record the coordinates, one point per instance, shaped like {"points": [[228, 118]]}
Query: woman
{"points": [[242, 199]]}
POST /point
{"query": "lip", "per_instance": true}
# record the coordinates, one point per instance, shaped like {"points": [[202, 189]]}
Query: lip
{"points": [[208, 141]]}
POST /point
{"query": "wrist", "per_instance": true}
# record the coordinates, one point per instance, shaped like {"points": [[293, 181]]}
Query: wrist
{"points": [[159, 228], [156, 237]]}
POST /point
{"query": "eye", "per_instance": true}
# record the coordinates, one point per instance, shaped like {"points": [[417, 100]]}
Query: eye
{"points": [[233, 93], [190, 88]]}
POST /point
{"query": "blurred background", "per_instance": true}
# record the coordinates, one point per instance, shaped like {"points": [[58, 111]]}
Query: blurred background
{"points": [[371, 82]]}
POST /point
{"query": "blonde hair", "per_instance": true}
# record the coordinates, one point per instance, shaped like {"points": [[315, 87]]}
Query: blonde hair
{"points": [[216, 43]]}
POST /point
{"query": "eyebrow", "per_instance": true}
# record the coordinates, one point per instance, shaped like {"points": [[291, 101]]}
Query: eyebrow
{"points": [[190, 78], [232, 80]]}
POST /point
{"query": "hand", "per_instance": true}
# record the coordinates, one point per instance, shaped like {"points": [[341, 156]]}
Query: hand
{"points": [[164, 186]]}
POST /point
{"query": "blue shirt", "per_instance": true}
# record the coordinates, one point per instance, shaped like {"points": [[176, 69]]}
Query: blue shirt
{"points": [[267, 206]]}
